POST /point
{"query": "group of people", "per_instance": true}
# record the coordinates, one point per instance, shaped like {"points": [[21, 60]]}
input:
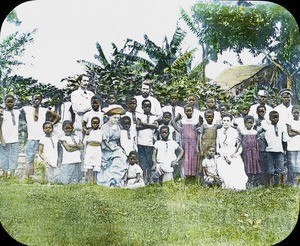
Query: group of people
{"points": [[145, 142]]}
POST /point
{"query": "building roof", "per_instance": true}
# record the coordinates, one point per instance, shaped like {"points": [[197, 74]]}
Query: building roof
{"points": [[236, 75]]}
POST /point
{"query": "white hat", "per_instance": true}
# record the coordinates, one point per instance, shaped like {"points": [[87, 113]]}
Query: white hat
{"points": [[262, 93], [283, 91]]}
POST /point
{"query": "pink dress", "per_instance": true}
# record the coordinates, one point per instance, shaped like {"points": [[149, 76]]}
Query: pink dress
{"points": [[189, 137]]}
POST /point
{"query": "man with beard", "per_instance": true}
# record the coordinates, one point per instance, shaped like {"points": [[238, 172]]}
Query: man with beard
{"points": [[145, 94]]}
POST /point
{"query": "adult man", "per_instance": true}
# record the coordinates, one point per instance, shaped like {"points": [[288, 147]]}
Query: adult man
{"points": [[262, 96], [81, 102], [285, 108], [145, 94]]}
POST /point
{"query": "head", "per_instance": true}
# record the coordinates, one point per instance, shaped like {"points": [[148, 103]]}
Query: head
{"points": [[192, 100], [226, 120], [211, 102], [95, 123], [210, 152], [68, 127], [146, 89], [133, 158], [248, 122], [114, 113], [36, 99], [274, 117], [296, 112], [188, 111], [125, 122], [166, 118], [286, 97], [261, 111], [9, 101], [111, 98], [95, 102], [262, 96], [223, 109], [164, 132], [132, 103], [83, 81], [47, 127], [146, 106], [209, 116], [244, 109], [173, 99]]}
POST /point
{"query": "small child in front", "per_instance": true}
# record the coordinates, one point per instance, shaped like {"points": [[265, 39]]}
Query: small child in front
{"points": [[93, 153], [71, 157], [210, 172], [48, 152], [134, 175], [164, 156]]}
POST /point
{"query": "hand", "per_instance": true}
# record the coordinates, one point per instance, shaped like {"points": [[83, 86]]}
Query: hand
{"points": [[234, 155], [173, 163], [178, 117]]}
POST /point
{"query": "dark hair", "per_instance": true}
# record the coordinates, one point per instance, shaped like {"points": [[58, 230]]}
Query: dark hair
{"points": [[227, 115], [67, 122], [248, 117], [133, 152], [261, 106], [95, 118], [122, 120], [46, 123], [167, 113], [296, 107], [272, 113], [132, 99], [9, 95], [209, 111], [80, 77], [146, 100], [37, 93], [164, 127]]}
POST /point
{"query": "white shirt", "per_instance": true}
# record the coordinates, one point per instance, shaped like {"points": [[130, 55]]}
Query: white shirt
{"points": [[128, 144], [253, 109], [177, 109], [10, 131], [155, 105], [146, 136], [285, 113], [81, 101], [293, 143], [50, 149], [35, 128], [87, 117], [166, 153], [274, 141], [70, 157]]}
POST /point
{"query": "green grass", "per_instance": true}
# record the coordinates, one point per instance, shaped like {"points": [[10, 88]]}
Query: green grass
{"points": [[179, 213]]}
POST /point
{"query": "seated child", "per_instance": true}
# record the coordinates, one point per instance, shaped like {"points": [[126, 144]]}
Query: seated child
{"points": [[134, 175], [210, 171]]}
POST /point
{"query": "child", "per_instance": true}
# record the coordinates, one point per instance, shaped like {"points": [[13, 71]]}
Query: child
{"points": [[71, 158], [188, 130], [207, 135], [211, 103], [134, 175], [250, 152], [276, 145], [131, 112], [93, 153], [9, 137], [146, 126], [230, 164], [239, 120], [164, 156], [128, 137], [48, 152], [193, 102], [293, 148], [173, 108], [166, 120], [210, 171]]}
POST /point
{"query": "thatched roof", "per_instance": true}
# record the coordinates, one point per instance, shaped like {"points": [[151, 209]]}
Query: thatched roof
{"points": [[236, 75]]}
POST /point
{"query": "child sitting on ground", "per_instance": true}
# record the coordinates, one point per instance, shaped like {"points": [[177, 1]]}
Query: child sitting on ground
{"points": [[134, 175]]}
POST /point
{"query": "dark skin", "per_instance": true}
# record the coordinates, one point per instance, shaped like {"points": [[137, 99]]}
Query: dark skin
{"points": [[132, 159], [68, 129], [95, 107], [142, 125], [210, 154]]}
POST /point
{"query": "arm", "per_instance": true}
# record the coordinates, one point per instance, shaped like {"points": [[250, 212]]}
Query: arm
{"points": [[207, 173], [174, 123], [54, 116], [41, 151], [141, 125], [70, 147], [292, 132], [154, 158], [179, 156], [1, 134], [85, 130]]}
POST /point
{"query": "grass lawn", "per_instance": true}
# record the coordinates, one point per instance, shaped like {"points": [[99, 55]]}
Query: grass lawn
{"points": [[179, 213]]}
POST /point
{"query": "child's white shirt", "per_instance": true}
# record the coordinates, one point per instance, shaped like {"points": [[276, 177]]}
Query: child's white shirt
{"points": [[9, 130], [50, 149], [293, 143], [70, 157]]}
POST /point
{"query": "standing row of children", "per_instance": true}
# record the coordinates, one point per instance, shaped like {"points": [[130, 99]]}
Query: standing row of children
{"points": [[154, 143]]}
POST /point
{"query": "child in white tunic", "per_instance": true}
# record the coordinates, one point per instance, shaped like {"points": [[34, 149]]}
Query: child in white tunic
{"points": [[128, 137], [134, 175], [48, 152], [93, 153]]}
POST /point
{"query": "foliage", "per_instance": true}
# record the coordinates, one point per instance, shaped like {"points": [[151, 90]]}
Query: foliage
{"points": [[179, 213]]}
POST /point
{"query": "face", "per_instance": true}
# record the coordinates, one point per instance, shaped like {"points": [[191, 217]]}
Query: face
{"points": [[261, 112], [188, 112], [262, 99], [211, 152], [173, 100], [145, 90], [114, 119], [95, 104], [274, 118], [286, 99], [166, 119], [36, 100], [245, 111], [95, 124], [9, 103], [296, 114], [111, 99], [223, 110], [164, 133], [147, 107], [132, 105], [68, 129], [192, 101], [249, 124], [84, 82], [48, 128], [132, 159], [211, 103], [226, 121], [209, 117], [126, 123]]}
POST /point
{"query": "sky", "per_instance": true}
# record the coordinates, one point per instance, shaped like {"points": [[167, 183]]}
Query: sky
{"points": [[68, 30]]}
